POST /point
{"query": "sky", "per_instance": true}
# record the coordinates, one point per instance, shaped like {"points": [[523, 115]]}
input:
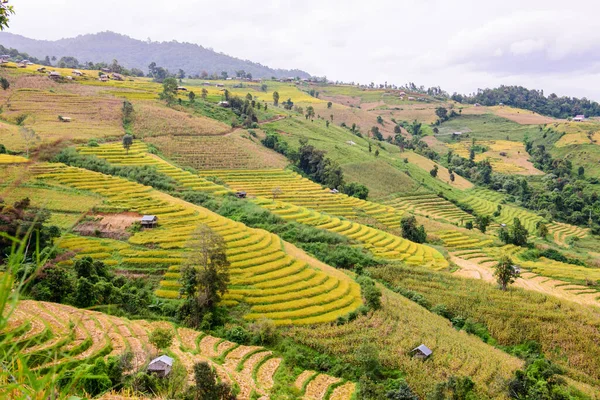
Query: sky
{"points": [[460, 45]]}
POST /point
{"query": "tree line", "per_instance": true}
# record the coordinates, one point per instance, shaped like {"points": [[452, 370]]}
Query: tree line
{"points": [[533, 100]]}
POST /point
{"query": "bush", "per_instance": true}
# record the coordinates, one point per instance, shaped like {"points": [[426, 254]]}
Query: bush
{"points": [[237, 334], [356, 190], [411, 231], [370, 292]]}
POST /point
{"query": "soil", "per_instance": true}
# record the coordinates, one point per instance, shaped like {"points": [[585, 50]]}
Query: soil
{"points": [[113, 226], [529, 281]]}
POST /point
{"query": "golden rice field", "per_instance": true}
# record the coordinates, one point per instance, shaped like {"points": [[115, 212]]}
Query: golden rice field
{"points": [[10, 159], [514, 161], [566, 331], [57, 336], [138, 155], [259, 264], [290, 187], [382, 244], [153, 119], [91, 116], [401, 325], [586, 132], [430, 205]]}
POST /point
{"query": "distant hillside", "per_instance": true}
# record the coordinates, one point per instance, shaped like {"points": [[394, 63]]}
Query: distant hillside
{"points": [[106, 46], [533, 100]]}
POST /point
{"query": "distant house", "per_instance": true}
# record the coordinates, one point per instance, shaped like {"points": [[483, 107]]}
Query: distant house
{"points": [[54, 75], [351, 143], [421, 352], [240, 195], [77, 72], [183, 89], [206, 83], [105, 69], [411, 98], [334, 191], [501, 104], [219, 85], [29, 63], [64, 119], [477, 105], [41, 69], [456, 133], [224, 104], [22, 65], [69, 77], [579, 118], [103, 78], [402, 93], [117, 77], [161, 366], [516, 269], [149, 221]]}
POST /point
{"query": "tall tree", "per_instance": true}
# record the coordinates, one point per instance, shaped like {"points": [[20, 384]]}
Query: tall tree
{"points": [[169, 92], [127, 142], [505, 272], [205, 275], [192, 96], [275, 98]]}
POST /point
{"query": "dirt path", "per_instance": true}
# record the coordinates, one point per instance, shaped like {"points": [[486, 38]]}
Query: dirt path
{"points": [[529, 281]]}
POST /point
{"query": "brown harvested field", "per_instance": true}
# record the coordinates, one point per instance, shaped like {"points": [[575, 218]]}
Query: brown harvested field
{"points": [[342, 99], [443, 175], [112, 226], [91, 117], [435, 144], [410, 112], [364, 119], [523, 117], [154, 119], [237, 150]]}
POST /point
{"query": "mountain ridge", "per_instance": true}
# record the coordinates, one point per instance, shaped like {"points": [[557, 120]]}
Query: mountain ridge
{"points": [[130, 52]]}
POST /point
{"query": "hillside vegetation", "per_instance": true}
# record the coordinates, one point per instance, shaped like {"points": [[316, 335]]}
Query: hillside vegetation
{"points": [[308, 238]]}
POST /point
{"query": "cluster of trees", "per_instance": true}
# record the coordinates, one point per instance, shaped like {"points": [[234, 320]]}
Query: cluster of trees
{"points": [[411, 230], [89, 283], [20, 219], [534, 100]]}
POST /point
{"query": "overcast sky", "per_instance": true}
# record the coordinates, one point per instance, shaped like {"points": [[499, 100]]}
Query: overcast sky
{"points": [[460, 45]]}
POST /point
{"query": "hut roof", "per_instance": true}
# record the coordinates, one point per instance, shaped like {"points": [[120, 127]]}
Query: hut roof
{"points": [[423, 349], [148, 218], [165, 359]]}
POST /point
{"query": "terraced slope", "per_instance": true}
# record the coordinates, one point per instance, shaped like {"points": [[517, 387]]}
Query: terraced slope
{"points": [[485, 202], [380, 243], [258, 259], [284, 185], [138, 155], [287, 186], [430, 205], [457, 240], [59, 336]]}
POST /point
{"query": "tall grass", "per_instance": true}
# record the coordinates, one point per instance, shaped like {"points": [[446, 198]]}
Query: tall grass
{"points": [[17, 381]]}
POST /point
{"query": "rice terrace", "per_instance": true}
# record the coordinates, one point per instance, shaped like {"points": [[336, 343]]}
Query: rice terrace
{"points": [[178, 223]]}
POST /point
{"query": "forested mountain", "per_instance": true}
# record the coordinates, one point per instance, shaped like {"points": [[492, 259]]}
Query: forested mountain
{"points": [[534, 100], [132, 53]]}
